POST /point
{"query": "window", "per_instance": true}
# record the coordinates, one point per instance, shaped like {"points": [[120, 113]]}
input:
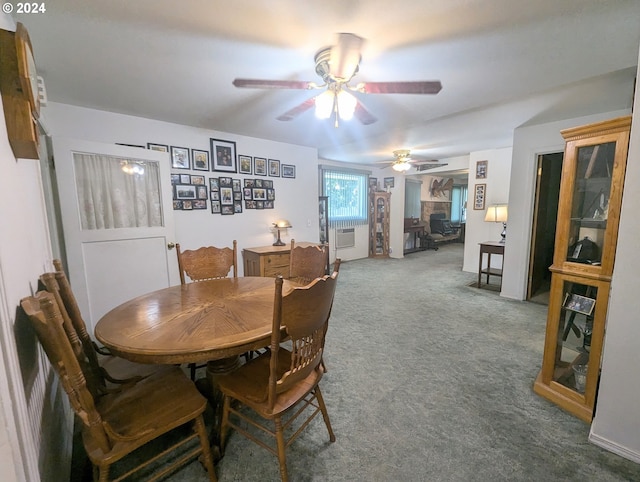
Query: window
{"points": [[459, 204], [347, 193], [412, 205]]}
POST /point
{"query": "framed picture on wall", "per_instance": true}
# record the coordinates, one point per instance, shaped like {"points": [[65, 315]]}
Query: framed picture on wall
{"points": [[200, 159], [245, 164], [288, 170], [223, 155], [180, 158], [481, 169], [479, 195]]}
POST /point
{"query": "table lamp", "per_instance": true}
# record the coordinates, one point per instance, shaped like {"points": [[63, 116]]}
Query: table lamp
{"points": [[281, 224], [498, 213]]}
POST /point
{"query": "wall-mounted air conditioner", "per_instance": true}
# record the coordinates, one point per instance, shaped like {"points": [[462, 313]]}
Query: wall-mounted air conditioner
{"points": [[345, 238]]}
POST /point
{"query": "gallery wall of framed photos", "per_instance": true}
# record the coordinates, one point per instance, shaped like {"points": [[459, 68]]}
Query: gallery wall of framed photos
{"points": [[224, 194]]}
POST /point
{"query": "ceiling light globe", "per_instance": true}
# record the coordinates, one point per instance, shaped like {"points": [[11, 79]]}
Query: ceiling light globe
{"points": [[346, 105], [324, 104]]}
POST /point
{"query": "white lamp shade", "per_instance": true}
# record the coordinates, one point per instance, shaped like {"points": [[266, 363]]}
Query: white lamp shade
{"points": [[497, 213], [282, 223]]}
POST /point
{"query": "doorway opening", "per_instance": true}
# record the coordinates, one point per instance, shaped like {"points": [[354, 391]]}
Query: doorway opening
{"points": [[549, 172]]}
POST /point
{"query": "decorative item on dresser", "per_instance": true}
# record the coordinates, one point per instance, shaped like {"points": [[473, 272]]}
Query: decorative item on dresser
{"points": [[591, 188], [281, 224]]}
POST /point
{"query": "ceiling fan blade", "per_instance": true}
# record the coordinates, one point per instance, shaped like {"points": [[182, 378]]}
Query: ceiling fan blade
{"points": [[426, 167], [297, 110], [363, 115], [345, 56], [274, 84], [417, 87]]}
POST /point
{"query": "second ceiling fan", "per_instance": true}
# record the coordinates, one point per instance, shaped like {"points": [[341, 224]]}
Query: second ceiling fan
{"points": [[337, 65], [403, 161]]}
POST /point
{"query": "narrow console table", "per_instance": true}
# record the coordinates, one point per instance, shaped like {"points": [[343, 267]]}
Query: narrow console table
{"points": [[416, 235], [490, 247]]}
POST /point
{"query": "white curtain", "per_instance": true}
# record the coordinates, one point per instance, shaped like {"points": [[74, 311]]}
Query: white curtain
{"points": [[117, 193]]}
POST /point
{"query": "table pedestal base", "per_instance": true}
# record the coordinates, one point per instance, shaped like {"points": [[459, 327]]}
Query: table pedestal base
{"points": [[207, 386]]}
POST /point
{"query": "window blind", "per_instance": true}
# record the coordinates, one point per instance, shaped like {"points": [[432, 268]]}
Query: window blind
{"points": [[347, 191]]}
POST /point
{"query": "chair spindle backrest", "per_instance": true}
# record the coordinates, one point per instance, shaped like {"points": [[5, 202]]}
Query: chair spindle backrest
{"points": [[302, 314], [207, 262], [46, 319], [307, 263], [87, 358]]}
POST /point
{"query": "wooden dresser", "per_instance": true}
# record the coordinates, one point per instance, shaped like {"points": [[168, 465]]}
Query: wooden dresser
{"points": [[269, 261]]}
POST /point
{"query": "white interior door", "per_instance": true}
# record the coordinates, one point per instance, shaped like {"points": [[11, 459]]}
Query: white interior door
{"points": [[117, 220]]}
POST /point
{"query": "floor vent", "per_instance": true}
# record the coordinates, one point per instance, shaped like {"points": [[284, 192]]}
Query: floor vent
{"points": [[345, 238]]}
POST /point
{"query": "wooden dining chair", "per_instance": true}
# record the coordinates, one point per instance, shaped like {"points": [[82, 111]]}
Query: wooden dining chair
{"points": [[107, 367], [207, 262], [283, 382], [204, 264], [118, 423], [307, 263]]}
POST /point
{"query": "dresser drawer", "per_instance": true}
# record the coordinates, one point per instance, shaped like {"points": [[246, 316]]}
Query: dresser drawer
{"points": [[273, 271], [276, 261]]}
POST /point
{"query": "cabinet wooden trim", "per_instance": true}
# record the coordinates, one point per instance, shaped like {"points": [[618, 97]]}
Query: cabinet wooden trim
{"points": [[571, 275], [379, 224]]}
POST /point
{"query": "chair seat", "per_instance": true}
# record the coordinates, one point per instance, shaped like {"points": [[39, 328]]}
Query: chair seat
{"points": [[139, 412], [249, 384], [124, 369]]}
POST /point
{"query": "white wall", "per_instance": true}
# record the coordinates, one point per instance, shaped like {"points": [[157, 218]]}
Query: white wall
{"points": [[497, 191], [528, 143], [296, 199], [617, 420], [29, 430]]}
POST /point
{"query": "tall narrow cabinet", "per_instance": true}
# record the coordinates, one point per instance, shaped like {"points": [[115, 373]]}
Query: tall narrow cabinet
{"points": [[379, 224], [593, 173]]}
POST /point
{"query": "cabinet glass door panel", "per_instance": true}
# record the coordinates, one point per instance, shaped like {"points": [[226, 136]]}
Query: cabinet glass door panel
{"points": [[590, 203], [575, 328]]}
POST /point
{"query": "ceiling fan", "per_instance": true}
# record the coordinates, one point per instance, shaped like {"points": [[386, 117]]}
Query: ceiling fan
{"points": [[403, 162], [337, 66]]}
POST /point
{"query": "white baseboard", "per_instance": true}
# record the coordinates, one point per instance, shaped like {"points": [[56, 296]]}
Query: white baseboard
{"points": [[614, 447]]}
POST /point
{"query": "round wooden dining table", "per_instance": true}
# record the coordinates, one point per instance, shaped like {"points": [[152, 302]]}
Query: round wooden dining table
{"points": [[196, 322]]}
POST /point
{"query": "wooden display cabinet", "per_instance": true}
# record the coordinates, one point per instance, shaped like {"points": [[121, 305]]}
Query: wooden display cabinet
{"points": [[380, 203], [586, 236]]}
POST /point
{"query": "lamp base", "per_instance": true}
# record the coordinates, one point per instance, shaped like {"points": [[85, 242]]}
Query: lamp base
{"points": [[504, 233], [278, 242]]}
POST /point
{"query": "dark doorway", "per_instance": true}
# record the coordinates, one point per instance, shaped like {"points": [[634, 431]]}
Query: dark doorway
{"points": [[544, 225]]}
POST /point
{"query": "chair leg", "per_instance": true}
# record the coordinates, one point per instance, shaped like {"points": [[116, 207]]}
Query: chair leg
{"points": [[224, 424], [192, 369], [199, 428], [325, 414], [282, 458], [104, 473]]}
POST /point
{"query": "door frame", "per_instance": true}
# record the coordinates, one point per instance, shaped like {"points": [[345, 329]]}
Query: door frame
{"points": [[76, 268]]}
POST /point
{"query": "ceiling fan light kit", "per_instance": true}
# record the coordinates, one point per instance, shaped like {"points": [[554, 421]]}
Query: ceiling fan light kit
{"points": [[337, 65]]}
